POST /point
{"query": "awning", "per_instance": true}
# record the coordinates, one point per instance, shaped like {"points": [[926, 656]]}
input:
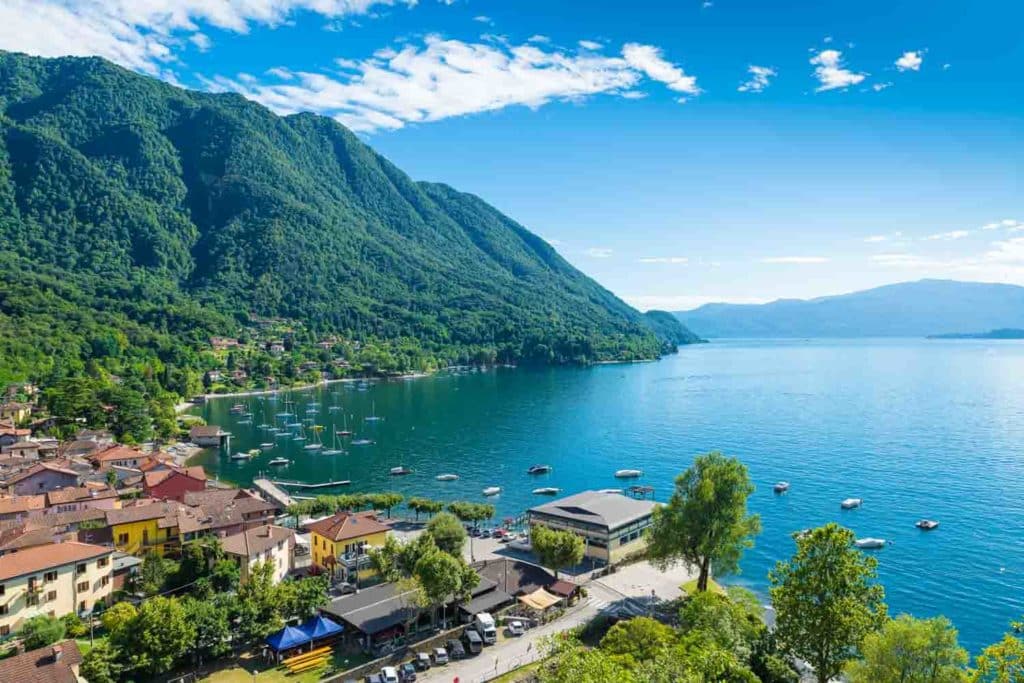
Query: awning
{"points": [[562, 588], [539, 599], [320, 627], [287, 638]]}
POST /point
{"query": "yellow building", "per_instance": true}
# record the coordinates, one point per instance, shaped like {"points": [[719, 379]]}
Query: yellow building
{"points": [[339, 543], [54, 579], [139, 530]]}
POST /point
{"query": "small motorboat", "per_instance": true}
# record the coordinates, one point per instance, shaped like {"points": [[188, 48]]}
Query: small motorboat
{"points": [[399, 471], [298, 437], [628, 474], [245, 421], [492, 490], [851, 503], [619, 491], [237, 409], [279, 461], [539, 469], [266, 446], [869, 543], [240, 456], [926, 524], [282, 435], [546, 491], [447, 477], [313, 446], [781, 487], [332, 451], [362, 442], [343, 432]]}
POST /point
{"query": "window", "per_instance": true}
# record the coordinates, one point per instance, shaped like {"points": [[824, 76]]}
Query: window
{"points": [[51, 596], [5, 630], [82, 606], [83, 586], [122, 539], [105, 581], [80, 569], [3, 610], [50, 577], [32, 599], [3, 589], [103, 562]]}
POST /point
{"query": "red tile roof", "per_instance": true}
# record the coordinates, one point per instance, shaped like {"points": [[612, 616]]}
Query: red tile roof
{"points": [[343, 526], [43, 557], [44, 665]]}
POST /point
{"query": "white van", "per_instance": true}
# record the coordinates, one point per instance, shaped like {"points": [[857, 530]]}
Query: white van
{"points": [[484, 625]]}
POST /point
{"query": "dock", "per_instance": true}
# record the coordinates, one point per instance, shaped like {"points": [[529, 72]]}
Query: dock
{"points": [[321, 485], [273, 494]]}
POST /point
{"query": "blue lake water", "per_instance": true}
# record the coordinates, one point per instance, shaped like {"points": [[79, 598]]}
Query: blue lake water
{"points": [[916, 428]]}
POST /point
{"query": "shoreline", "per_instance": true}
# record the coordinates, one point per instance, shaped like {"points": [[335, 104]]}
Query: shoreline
{"points": [[185, 405]]}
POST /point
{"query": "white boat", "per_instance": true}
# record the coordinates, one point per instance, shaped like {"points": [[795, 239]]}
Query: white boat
{"points": [[628, 474], [335, 449], [851, 503], [316, 444], [546, 491], [279, 461], [266, 446], [619, 491], [362, 442], [869, 543], [781, 487], [240, 456], [399, 471], [373, 417], [446, 477], [926, 524], [492, 490]]}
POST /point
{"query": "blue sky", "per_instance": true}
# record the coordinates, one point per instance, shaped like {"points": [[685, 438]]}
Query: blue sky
{"points": [[679, 152]]}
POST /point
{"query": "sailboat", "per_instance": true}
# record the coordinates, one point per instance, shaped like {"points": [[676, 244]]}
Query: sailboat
{"points": [[317, 444], [299, 435], [335, 449], [373, 417], [344, 431]]}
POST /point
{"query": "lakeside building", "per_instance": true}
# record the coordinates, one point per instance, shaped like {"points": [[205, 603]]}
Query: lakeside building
{"points": [[340, 542], [55, 579], [612, 525], [267, 543]]}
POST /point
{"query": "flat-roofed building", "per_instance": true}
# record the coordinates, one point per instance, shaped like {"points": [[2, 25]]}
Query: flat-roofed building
{"points": [[611, 524]]}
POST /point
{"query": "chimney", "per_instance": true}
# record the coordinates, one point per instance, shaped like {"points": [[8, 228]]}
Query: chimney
{"points": [[58, 652]]}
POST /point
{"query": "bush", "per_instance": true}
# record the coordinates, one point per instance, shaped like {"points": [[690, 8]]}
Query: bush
{"points": [[41, 631], [74, 627]]}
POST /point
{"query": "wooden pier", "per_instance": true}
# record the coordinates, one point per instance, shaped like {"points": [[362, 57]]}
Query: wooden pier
{"points": [[272, 493], [321, 485]]}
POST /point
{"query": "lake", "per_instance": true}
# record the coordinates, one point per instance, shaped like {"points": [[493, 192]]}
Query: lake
{"points": [[916, 428]]}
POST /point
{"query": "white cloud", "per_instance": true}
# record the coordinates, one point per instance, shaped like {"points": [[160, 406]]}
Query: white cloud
{"points": [[538, 38], [648, 59], [759, 78], [679, 260], [201, 41], [706, 4], [948, 236], [879, 87], [445, 78], [796, 259], [590, 45], [483, 19], [143, 34], [831, 73], [945, 67], [598, 252], [910, 61], [874, 239], [1003, 261], [827, 39]]}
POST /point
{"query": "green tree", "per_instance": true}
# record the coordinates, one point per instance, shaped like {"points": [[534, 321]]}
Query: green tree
{"points": [[569, 660], [212, 629], [909, 650], [637, 640], [471, 513], [224, 576], [425, 506], [160, 635], [74, 627], [302, 598], [826, 600], [448, 533], [555, 548], [384, 501], [258, 607], [732, 623], [1002, 662], [100, 664], [117, 620], [705, 522], [157, 573], [40, 631]]}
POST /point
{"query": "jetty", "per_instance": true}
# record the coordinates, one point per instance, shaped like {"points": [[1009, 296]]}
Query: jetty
{"points": [[272, 493], [321, 485]]}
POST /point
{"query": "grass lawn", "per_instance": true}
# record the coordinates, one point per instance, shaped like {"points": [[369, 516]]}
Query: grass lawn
{"points": [[250, 669], [84, 646], [690, 587]]}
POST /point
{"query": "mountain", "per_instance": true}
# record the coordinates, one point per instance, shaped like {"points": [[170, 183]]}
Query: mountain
{"points": [[128, 205], [1003, 333], [668, 328], [910, 309]]}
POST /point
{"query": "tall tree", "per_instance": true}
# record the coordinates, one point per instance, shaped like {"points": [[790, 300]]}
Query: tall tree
{"points": [[209, 620], [909, 650], [100, 664], [556, 549], [40, 631], [160, 635], [826, 600], [705, 522], [1002, 662], [258, 606], [447, 533]]}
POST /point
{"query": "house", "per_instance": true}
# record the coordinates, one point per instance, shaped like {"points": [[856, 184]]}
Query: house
{"points": [[23, 449], [17, 507], [172, 483], [9, 435], [213, 376], [265, 543], [75, 498], [57, 663], [239, 375], [222, 343], [207, 435], [126, 568], [80, 448], [234, 512], [140, 529], [120, 456], [275, 347], [612, 525], [26, 535], [57, 579], [99, 436], [43, 477], [339, 542], [16, 412]]}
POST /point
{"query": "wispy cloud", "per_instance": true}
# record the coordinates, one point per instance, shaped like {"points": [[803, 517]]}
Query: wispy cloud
{"points": [[483, 19], [680, 260], [759, 78], [599, 252], [831, 73], [910, 61], [879, 87], [1007, 223], [444, 78], [874, 239], [949, 236], [590, 45], [796, 259]]}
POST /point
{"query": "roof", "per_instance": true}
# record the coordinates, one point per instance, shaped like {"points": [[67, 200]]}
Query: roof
{"points": [[514, 576], [342, 526], [117, 453], [124, 561], [42, 557], [486, 602], [609, 510], [39, 467], [257, 540], [372, 610], [320, 627], [287, 638], [17, 504], [141, 513], [216, 497], [73, 494], [25, 536], [205, 431], [23, 444], [563, 588], [42, 666], [539, 599], [158, 477]]}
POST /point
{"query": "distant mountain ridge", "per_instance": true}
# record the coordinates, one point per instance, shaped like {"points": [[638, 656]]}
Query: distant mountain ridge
{"points": [[1004, 333], [909, 309]]}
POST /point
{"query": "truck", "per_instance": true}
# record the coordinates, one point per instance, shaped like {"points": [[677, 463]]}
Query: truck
{"points": [[483, 623]]}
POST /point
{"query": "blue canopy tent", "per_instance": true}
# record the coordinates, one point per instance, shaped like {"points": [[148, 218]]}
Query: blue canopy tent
{"points": [[319, 627], [287, 638]]}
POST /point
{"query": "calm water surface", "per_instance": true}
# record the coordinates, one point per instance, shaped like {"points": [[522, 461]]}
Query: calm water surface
{"points": [[916, 428]]}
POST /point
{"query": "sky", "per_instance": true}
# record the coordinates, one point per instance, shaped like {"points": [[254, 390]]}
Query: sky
{"points": [[680, 152]]}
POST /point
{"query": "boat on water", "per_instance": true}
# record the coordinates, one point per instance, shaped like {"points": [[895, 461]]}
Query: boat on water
{"points": [[276, 462], [265, 426], [399, 471], [362, 442], [628, 474], [335, 448], [869, 543], [282, 435], [285, 414], [547, 491], [926, 524], [539, 469], [245, 421], [851, 503], [241, 455], [316, 444], [344, 431], [237, 409], [447, 477], [333, 409], [492, 490], [293, 425], [266, 445], [781, 487], [619, 491], [373, 417]]}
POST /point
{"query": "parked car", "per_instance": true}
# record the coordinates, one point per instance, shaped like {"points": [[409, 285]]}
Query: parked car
{"points": [[474, 531], [422, 661], [439, 655], [516, 628], [455, 649], [407, 672], [474, 643], [389, 674], [374, 678], [345, 588], [500, 533]]}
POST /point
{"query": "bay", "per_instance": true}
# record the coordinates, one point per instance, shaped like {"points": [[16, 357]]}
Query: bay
{"points": [[917, 428]]}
